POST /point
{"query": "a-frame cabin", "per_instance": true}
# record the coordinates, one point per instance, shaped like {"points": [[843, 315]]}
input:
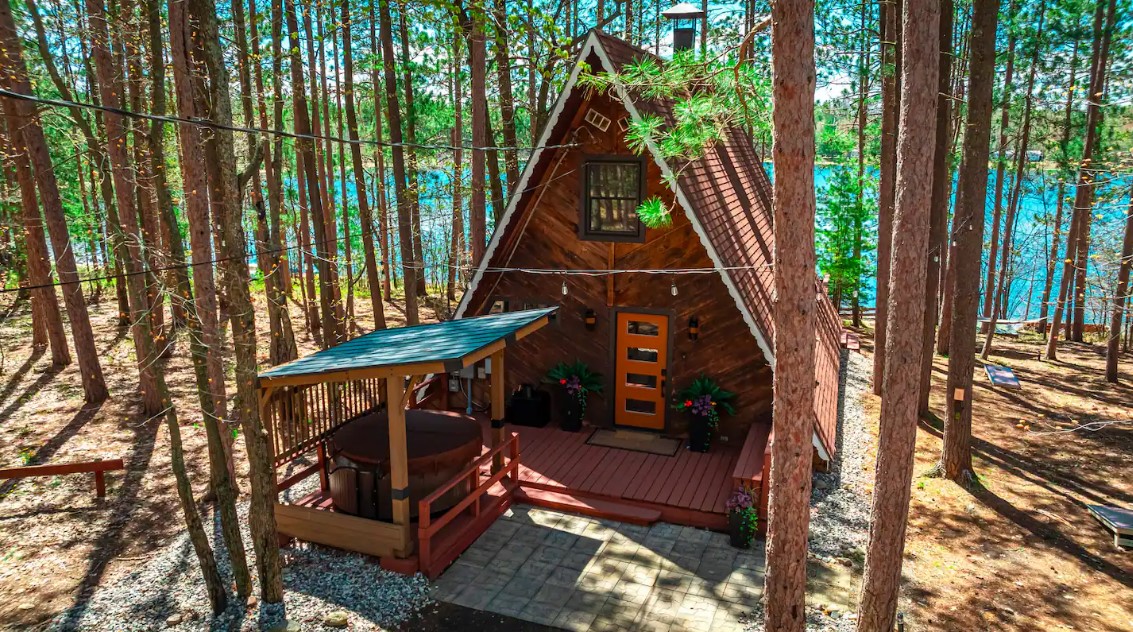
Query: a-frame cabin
{"points": [[573, 209], [405, 483]]}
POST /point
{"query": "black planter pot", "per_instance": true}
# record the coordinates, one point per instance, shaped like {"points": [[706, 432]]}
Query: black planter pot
{"points": [[699, 436], [572, 413], [736, 531]]}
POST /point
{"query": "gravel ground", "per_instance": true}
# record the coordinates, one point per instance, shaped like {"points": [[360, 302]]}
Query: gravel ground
{"points": [[840, 504], [166, 592]]}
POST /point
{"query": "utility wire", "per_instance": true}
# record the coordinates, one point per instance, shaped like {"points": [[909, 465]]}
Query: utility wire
{"points": [[251, 130]]}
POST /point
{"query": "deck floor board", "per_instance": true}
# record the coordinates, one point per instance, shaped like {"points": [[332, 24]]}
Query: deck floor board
{"points": [[684, 482]]}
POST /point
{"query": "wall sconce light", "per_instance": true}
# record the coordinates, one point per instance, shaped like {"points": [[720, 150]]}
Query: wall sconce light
{"points": [[590, 319], [693, 328]]}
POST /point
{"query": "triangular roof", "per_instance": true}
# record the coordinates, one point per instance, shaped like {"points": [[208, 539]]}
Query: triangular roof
{"points": [[725, 194]]}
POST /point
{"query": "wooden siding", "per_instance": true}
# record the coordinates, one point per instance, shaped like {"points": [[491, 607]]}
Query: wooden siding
{"points": [[544, 234]]}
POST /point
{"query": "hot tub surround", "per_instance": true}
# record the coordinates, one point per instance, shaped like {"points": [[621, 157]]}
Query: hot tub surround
{"points": [[439, 444]]}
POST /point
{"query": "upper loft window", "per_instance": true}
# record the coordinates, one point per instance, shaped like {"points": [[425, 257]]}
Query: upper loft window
{"points": [[611, 195]]}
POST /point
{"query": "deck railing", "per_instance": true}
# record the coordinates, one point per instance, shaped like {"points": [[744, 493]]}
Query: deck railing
{"points": [[433, 561], [301, 416]]}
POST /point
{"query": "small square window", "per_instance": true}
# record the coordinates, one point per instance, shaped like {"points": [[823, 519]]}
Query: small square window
{"points": [[611, 195]]}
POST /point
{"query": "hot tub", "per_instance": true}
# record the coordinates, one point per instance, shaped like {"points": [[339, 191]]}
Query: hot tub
{"points": [[440, 444]]}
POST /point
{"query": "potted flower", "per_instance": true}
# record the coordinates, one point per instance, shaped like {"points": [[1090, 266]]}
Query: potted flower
{"points": [[743, 518], [703, 400], [577, 381]]}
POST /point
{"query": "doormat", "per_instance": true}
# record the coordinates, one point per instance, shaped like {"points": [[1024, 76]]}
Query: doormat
{"points": [[635, 441]]}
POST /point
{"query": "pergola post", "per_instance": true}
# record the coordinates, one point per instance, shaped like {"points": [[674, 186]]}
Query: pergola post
{"points": [[498, 405], [398, 455]]}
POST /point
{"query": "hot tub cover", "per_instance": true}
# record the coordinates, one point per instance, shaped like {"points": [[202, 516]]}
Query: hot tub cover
{"points": [[434, 439]]}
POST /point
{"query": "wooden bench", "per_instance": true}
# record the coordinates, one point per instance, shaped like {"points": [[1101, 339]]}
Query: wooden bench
{"points": [[850, 340], [100, 468], [753, 467]]}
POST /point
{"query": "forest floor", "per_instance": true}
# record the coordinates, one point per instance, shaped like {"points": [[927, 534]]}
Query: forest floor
{"points": [[1018, 550], [57, 540]]}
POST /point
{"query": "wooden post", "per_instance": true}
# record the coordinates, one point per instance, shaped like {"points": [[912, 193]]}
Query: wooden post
{"points": [[498, 430], [100, 483], [398, 455], [324, 477], [268, 421]]}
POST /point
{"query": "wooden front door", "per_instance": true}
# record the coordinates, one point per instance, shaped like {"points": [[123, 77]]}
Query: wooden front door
{"points": [[641, 351]]}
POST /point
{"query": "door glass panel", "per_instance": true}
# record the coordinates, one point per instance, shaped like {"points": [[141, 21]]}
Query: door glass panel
{"points": [[641, 355], [641, 406], [642, 328], [638, 379]]}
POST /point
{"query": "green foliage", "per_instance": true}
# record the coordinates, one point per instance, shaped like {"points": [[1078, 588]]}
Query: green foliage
{"points": [[576, 375], [654, 214], [704, 388], [708, 97], [845, 231]]}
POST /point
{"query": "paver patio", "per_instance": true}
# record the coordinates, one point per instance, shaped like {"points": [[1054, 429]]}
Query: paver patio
{"points": [[580, 573]]}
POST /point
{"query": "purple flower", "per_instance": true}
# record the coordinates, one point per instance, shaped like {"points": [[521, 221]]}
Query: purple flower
{"points": [[740, 499]]}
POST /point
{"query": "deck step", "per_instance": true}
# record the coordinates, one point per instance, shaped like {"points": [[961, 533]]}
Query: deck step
{"points": [[592, 507]]}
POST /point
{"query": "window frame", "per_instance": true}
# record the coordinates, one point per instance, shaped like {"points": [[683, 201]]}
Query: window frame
{"points": [[584, 231]]}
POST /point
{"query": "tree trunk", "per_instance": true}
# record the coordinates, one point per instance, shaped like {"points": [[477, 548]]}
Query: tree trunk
{"points": [[1084, 192], [305, 150], [793, 82], [456, 247], [44, 300], [941, 192], [365, 215], [178, 276], [1001, 289], [350, 325], [1000, 169], [282, 347], [477, 221], [1120, 297], [897, 433], [94, 147], [205, 337], [404, 210], [379, 160], [967, 232], [862, 122], [413, 175], [507, 106], [890, 103], [15, 78], [234, 273]]}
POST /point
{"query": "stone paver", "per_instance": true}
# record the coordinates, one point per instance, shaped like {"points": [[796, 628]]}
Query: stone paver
{"points": [[579, 573]]}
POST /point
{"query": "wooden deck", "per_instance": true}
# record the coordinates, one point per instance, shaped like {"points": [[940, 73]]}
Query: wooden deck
{"points": [[687, 488]]}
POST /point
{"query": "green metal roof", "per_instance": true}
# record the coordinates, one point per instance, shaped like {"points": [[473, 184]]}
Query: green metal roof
{"points": [[446, 343]]}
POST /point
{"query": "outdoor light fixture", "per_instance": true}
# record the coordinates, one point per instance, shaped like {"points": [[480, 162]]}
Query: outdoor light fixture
{"points": [[673, 288], [684, 17], [564, 288], [590, 319], [693, 328]]}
